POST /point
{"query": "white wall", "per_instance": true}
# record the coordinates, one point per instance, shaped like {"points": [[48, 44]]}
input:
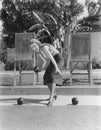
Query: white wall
{"points": [[96, 45]]}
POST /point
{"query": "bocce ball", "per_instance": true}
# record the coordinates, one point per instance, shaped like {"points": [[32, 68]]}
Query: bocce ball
{"points": [[36, 69], [20, 101], [75, 101]]}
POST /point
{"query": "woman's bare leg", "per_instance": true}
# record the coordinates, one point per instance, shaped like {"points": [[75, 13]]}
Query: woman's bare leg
{"points": [[52, 88]]}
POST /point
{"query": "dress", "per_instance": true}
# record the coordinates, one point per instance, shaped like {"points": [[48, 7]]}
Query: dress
{"points": [[50, 76]]}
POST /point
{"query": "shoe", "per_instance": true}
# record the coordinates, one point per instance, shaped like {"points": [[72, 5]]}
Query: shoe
{"points": [[55, 97], [50, 103]]}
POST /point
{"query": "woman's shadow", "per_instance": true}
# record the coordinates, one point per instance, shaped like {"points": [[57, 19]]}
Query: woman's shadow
{"points": [[25, 101], [35, 101]]}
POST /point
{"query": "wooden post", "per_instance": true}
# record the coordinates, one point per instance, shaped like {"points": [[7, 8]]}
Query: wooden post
{"points": [[14, 73], [71, 74], [90, 60], [34, 75], [20, 70], [69, 51]]}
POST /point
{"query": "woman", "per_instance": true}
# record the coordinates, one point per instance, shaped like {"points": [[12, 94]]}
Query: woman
{"points": [[52, 75]]}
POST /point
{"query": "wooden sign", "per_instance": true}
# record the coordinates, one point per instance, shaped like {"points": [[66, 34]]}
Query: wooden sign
{"points": [[80, 46], [22, 46]]}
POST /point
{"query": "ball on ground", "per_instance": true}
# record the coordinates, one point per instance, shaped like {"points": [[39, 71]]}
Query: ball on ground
{"points": [[20, 101], [75, 101]]}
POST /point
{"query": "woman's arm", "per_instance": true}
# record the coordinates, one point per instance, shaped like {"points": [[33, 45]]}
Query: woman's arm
{"points": [[44, 62], [46, 51]]}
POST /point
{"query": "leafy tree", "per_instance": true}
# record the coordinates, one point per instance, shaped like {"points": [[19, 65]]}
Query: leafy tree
{"points": [[20, 15], [93, 10]]}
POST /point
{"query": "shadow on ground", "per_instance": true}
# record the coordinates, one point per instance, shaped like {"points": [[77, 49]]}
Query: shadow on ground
{"points": [[26, 101]]}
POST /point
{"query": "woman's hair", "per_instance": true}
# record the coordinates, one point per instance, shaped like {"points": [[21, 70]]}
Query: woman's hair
{"points": [[36, 41], [45, 38]]}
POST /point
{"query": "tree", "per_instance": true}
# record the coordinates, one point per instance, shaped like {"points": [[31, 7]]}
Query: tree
{"points": [[90, 21], [19, 15]]}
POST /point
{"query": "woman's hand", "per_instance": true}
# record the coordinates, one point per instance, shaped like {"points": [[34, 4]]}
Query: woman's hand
{"points": [[58, 72]]}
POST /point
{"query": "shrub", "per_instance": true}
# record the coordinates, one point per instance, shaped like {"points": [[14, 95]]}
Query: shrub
{"points": [[95, 64], [25, 65], [3, 55]]}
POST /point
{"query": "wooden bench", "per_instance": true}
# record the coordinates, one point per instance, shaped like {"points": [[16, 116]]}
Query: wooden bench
{"points": [[80, 46]]}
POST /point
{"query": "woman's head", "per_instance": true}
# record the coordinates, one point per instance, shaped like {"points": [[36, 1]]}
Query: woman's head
{"points": [[35, 44], [45, 37]]}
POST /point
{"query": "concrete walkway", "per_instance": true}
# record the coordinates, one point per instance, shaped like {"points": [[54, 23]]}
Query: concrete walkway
{"points": [[35, 114], [41, 100]]}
